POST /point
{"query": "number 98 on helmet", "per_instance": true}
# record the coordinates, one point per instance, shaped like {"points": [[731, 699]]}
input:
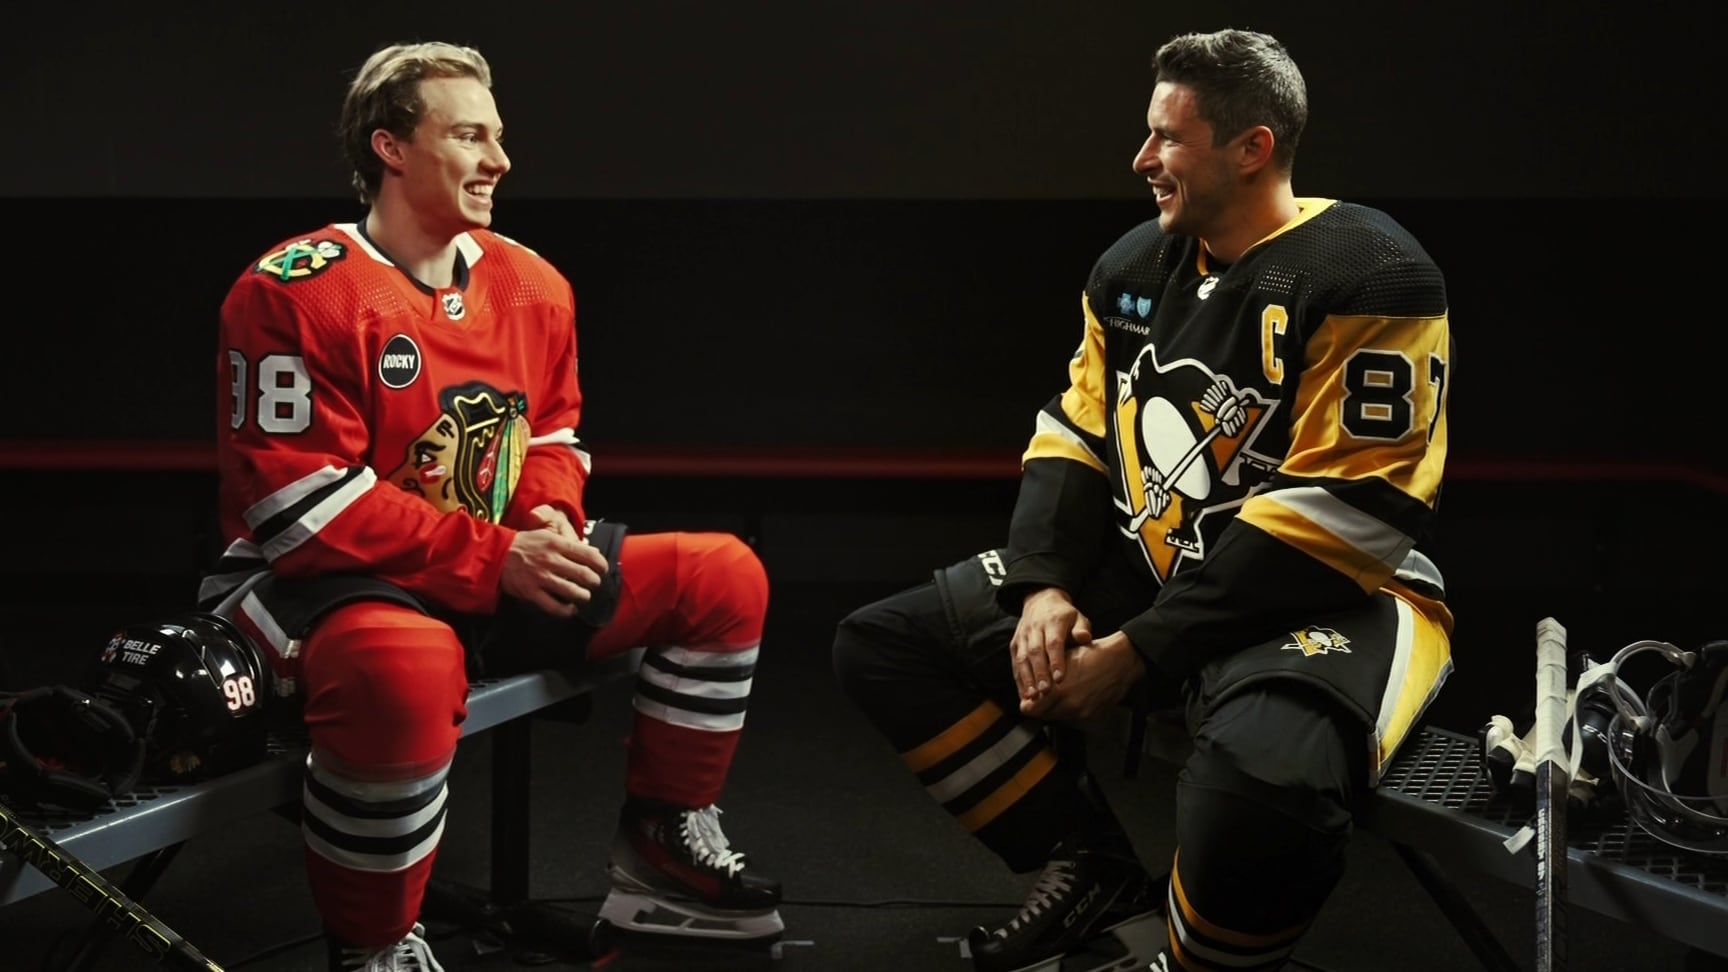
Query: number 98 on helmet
{"points": [[194, 688]]}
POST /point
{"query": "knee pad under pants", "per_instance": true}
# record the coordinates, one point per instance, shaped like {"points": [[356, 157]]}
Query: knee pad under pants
{"points": [[994, 771], [1263, 818], [384, 691]]}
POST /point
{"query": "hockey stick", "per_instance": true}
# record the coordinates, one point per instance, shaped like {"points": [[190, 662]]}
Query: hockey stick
{"points": [[1552, 770], [125, 916]]}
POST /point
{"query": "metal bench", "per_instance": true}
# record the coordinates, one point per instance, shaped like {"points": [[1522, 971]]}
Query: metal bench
{"points": [[1435, 802], [149, 825]]}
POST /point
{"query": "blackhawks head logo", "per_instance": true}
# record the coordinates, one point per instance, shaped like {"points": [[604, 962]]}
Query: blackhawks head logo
{"points": [[471, 457]]}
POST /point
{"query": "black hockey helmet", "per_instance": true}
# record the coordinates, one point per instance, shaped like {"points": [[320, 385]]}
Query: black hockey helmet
{"points": [[1669, 745], [194, 688]]}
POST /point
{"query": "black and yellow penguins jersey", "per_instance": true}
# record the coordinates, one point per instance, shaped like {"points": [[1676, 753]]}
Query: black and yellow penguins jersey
{"points": [[1243, 445]]}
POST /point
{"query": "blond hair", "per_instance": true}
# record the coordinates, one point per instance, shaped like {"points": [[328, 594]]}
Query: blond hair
{"points": [[386, 94]]}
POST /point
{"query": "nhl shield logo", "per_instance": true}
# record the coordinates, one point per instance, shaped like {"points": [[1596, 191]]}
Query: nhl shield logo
{"points": [[453, 306]]}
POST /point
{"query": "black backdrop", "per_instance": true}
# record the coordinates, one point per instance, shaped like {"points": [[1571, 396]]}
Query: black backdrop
{"points": [[810, 224], [834, 99], [792, 323], [873, 218]]}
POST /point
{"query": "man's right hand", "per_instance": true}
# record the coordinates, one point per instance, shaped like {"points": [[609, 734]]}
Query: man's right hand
{"points": [[552, 569], [1049, 625]]}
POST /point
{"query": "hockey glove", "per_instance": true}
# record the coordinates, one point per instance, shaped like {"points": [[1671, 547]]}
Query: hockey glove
{"points": [[64, 748]]}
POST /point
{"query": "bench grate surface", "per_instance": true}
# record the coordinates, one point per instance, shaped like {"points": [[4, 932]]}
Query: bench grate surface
{"points": [[1445, 768]]}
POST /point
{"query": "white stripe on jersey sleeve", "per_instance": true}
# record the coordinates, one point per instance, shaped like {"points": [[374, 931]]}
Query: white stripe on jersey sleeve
{"points": [[241, 564], [261, 511], [565, 437], [1368, 534], [254, 611], [319, 516], [1048, 424]]}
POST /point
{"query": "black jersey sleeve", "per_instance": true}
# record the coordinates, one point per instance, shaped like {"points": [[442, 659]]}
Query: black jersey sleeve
{"points": [[1062, 514]]}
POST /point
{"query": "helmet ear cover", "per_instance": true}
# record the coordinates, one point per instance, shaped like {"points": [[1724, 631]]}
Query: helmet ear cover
{"points": [[1666, 744], [60, 746]]}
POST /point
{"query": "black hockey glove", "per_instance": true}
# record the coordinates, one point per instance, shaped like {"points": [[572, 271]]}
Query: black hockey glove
{"points": [[62, 747]]}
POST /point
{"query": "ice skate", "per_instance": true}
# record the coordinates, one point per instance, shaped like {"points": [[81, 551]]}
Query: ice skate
{"points": [[1091, 910], [674, 874], [1134, 945]]}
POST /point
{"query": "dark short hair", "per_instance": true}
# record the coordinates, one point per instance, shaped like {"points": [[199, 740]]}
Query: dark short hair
{"points": [[1240, 79]]}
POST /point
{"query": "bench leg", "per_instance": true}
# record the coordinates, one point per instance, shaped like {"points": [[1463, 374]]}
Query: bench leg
{"points": [[536, 930], [1457, 910], [139, 880], [511, 806]]}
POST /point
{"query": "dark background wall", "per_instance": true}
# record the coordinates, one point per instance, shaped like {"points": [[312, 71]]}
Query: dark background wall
{"points": [[777, 99], [894, 198], [803, 226]]}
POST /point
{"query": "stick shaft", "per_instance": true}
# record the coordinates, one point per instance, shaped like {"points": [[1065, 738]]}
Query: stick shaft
{"points": [[1551, 785], [128, 918]]}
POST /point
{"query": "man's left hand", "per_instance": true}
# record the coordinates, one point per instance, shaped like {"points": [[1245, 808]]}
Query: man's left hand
{"points": [[1099, 676]]}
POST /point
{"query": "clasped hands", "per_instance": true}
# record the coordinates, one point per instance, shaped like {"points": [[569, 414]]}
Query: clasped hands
{"points": [[1061, 672], [551, 566]]}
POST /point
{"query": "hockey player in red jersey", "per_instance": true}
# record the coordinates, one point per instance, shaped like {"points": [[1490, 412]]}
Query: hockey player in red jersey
{"points": [[402, 497], [1222, 508]]}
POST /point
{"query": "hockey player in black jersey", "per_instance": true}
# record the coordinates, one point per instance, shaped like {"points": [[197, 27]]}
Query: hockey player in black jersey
{"points": [[1223, 506]]}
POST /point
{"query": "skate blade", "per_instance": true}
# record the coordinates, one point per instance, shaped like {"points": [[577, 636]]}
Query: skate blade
{"points": [[1126, 947], [657, 917], [1129, 946], [655, 953]]}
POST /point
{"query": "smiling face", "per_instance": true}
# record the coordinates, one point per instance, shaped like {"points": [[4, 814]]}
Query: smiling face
{"points": [[455, 157], [1193, 180]]}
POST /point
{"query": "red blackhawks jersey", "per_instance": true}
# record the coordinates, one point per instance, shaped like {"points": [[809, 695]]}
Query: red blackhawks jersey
{"points": [[375, 425]]}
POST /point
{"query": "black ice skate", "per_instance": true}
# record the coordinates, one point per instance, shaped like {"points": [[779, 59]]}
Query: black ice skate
{"points": [[1096, 907], [674, 873]]}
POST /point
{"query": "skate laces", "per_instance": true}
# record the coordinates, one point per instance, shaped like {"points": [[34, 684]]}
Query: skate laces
{"points": [[1056, 880], [411, 954], [707, 843]]}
